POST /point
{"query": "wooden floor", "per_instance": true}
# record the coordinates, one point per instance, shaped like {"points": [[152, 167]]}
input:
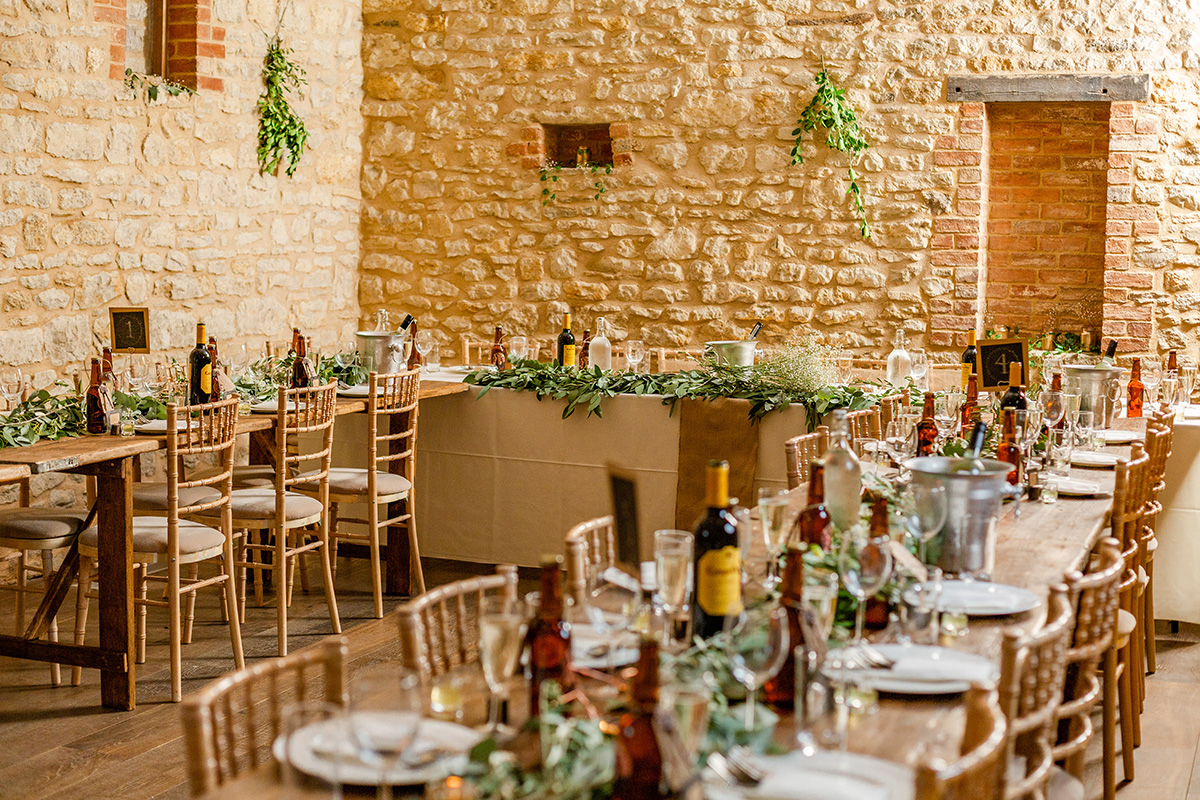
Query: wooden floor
{"points": [[59, 743]]}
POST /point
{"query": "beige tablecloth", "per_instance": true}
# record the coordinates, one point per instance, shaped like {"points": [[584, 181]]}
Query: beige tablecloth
{"points": [[1177, 560]]}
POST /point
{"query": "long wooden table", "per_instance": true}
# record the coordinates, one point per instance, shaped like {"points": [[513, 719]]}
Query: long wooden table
{"points": [[1033, 552], [111, 461]]}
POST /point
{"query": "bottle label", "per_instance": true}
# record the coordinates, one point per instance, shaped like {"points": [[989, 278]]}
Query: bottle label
{"points": [[719, 582], [206, 379], [568, 355]]}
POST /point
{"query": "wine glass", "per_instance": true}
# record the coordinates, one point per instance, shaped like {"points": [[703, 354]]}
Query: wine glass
{"points": [[923, 509], [773, 513], [673, 554], [865, 564], [502, 624], [138, 368], [386, 707], [12, 381], [1050, 366], [613, 597], [1168, 391], [919, 367], [946, 412], [1053, 405], [1029, 425], [1084, 422], [518, 348], [635, 351], [1152, 374], [896, 440], [756, 642], [425, 343], [1187, 379]]}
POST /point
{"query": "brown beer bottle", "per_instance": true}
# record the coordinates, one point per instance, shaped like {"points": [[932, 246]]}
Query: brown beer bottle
{"points": [[1056, 386], [927, 430], [106, 367], [1137, 390], [549, 636], [498, 358], [303, 374], [813, 524], [780, 691], [1008, 451], [95, 402], [1172, 363], [639, 758]]}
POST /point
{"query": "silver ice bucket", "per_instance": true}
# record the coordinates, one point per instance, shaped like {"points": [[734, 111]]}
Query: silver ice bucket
{"points": [[731, 353], [966, 544], [1092, 383], [383, 351]]}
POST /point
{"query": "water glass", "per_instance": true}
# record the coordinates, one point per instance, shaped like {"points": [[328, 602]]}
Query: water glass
{"points": [[867, 449], [1059, 444], [955, 621], [311, 728], [1049, 494], [612, 602], [635, 351], [518, 348], [821, 595], [12, 381], [1084, 423], [688, 699], [128, 418], [923, 616], [386, 707]]}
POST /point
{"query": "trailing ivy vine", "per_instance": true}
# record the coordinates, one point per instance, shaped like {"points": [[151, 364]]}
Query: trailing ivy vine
{"points": [[149, 86], [830, 110], [281, 132], [550, 173]]}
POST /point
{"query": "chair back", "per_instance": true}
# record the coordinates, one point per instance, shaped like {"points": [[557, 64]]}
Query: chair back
{"points": [[588, 545], [199, 430], [889, 408], [1129, 507], [230, 725], [303, 411], [800, 451], [475, 351], [439, 630], [1033, 670], [866, 423], [392, 424], [976, 774], [1158, 448], [1095, 598]]}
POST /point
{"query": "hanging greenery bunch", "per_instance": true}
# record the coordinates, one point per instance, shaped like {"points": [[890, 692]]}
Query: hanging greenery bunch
{"points": [[281, 132], [830, 110]]}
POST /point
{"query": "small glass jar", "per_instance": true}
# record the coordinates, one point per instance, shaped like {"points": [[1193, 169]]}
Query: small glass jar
{"points": [[128, 418]]}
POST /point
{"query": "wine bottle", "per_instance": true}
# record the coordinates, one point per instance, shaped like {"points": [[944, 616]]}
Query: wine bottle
{"points": [[1014, 396], [970, 406], [106, 367], [813, 524], [780, 690], [965, 376], [1172, 364], [303, 373], [977, 438], [600, 351], [927, 429], [1137, 390], [498, 357], [584, 356], [566, 344], [549, 636], [406, 322], [843, 474], [215, 395], [1110, 355], [1008, 451], [295, 348], [899, 362], [199, 369], [1056, 386], [971, 354], [718, 561], [414, 356], [638, 773], [95, 408]]}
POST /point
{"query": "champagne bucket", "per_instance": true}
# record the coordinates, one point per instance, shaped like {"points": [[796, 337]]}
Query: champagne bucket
{"points": [[1091, 384], [966, 544], [733, 354], [383, 351]]}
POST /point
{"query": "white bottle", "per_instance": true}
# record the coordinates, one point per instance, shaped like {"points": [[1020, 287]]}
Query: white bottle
{"points": [[899, 363], [600, 350], [843, 475]]}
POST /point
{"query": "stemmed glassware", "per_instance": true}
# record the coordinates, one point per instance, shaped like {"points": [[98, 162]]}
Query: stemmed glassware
{"points": [[1084, 423], [673, 552], [1152, 374], [865, 564], [1053, 405], [1187, 379], [386, 707], [1029, 423], [518, 348], [919, 366], [773, 513], [310, 728], [613, 597], [425, 343], [756, 642], [946, 410], [635, 351], [502, 624], [923, 509], [12, 381], [896, 440]]}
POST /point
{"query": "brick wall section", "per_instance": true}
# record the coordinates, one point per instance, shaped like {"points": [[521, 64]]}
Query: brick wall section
{"points": [[1046, 225], [959, 235], [111, 14], [194, 44]]}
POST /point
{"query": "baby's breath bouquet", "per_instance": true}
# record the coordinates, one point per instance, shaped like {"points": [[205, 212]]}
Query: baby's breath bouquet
{"points": [[801, 368]]}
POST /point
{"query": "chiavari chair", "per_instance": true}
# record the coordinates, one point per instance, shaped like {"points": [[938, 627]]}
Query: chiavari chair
{"points": [[976, 773], [866, 423], [1159, 435], [588, 544], [800, 451]]}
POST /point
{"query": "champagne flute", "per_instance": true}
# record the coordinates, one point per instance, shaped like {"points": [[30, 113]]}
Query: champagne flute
{"points": [[386, 707], [12, 381], [635, 351], [502, 625], [756, 642], [773, 514], [673, 553], [923, 509], [865, 564], [1187, 379]]}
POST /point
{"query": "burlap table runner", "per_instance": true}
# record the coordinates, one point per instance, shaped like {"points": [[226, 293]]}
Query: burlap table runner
{"points": [[711, 429]]}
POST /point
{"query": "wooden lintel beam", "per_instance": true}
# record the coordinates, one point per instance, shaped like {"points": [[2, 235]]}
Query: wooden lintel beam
{"points": [[1060, 88]]}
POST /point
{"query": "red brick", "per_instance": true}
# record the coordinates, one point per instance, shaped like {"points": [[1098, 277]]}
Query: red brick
{"points": [[1132, 280], [974, 110], [531, 162], [970, 192], [206, 83], [1036, 227], [966, 241], [1062, 276], [1010, 275], [1015, 145], [1023, 244], [1066, 211], [1127, 312], [957, 158], [619, 130], [1145, 228], [218, 34], [211, 50], [1145, 329], [955, 258], [1036, 195], [941, 339], [972, 208], [942, 241], [970, 175], [971, 126], [622, 159], [1116, 261], [1118, 177], [1121, 109], [1038, 162], [953, 225], [946, 143], [533, 133], [1121, 125], [1112, 328], [516, 149], [1028, 179], [1118, 211]]}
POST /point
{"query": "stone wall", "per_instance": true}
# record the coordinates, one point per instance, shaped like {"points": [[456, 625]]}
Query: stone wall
{"points": [[706, 227], [107, 199]]}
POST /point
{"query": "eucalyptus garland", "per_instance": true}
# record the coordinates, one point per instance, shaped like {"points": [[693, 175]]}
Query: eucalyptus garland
{"points": [[588, 388], [281, 132], [43, 416]]}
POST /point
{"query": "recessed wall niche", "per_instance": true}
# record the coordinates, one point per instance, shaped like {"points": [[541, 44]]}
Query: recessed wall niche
{"points": [[563, 144]]}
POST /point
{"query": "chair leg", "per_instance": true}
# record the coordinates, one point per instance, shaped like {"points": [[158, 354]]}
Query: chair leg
{"points": [[175, 630], [327, 572], [302, 562], [52, 633], [229, 595], [258, 570], [1126, 710], [279, 566], [414, 549], [1137, 676], [1151, 643], [1109, 725], [376, 565], [190, 608], [332, 539], [141, 586], [19, 628], [81, 611], [243, 572], [290, 539]]}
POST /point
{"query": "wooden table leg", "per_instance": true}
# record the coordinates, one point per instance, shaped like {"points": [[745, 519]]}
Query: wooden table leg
{"points": [[114, 520], [397, 564]]}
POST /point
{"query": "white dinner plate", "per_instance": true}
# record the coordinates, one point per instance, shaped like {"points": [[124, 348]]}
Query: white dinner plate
{"points": [[157, 427], [924, 669], [1114, 436], [465, 370], [1075, 487], [361, 390], [984, 598], [271, 406], [824, 775], [588, 649], [325, 750], [1090, 458], [1191, 412]]}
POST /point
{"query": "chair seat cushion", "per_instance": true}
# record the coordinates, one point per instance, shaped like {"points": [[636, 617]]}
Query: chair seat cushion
{"points": [[150, 536], [1125, 622], [348, 480], [36, 524], [153, 496], [249, 476], [260, 504]]}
